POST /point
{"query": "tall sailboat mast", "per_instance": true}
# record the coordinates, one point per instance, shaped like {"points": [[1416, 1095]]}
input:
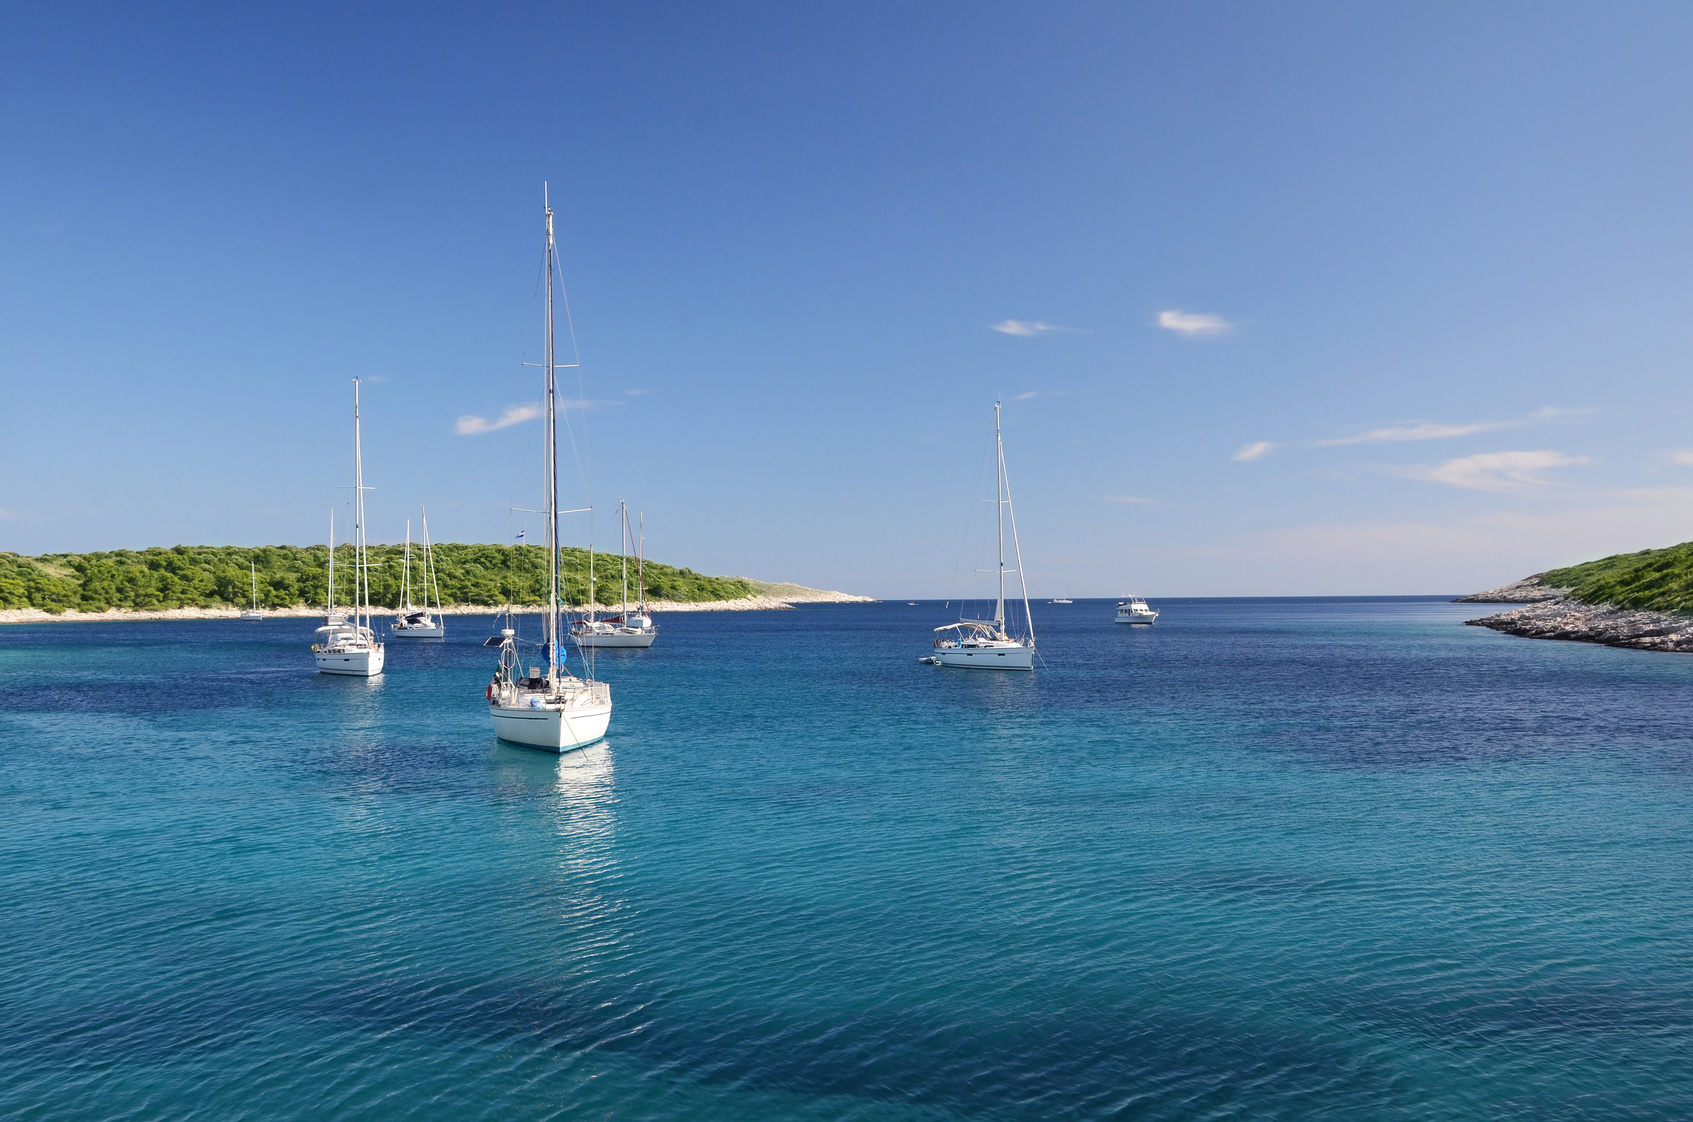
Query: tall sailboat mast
{"points": [[361, 574], [329, 609], [551, 467], [999, 508]]}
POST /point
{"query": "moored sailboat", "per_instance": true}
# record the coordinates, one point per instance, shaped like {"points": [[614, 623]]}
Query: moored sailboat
{"points": [[625, 629], [350, 647], [545, 706], [412, 622], [253, 614], [976, 644]]}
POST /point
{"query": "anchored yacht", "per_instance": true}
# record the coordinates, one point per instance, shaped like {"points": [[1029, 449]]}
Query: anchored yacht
{"points": [[1134, 610], [975, 644], [413, 622], [346, 646], [253, 614], [626, 628], [541, 704]]}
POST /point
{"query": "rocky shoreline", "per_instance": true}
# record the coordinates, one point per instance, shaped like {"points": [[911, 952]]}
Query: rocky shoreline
{"points": [[771, 598], [1551, 613]]}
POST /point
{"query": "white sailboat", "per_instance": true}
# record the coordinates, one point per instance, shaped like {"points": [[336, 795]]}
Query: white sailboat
{"points": [[975, 644], [253, 613], [547, 707], [413, 622], [351, 647], [626, 628]]}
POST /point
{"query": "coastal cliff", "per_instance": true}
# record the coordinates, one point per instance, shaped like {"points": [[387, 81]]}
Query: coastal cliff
{"points": [[1639, 600]]}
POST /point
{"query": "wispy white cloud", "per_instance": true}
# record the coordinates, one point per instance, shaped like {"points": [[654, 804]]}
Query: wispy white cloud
{"points": [[1255, 451], [1025, 327], [469, 425], [1418, 430], [1423, 431], [636, 393], [1193, 325], [9, 514], [1125, 499], [1497, 471], [1682, 456], [1022, 396], [1548, 412]]}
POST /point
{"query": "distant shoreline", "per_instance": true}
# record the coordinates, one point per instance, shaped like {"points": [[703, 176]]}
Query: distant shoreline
{"points": [[772, 598]]}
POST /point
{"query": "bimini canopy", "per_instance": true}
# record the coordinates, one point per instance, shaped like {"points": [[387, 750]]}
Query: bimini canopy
{"points": [[971, 625]]}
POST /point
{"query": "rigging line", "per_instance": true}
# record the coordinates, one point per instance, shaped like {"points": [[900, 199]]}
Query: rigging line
{"points": [[583, 464]]}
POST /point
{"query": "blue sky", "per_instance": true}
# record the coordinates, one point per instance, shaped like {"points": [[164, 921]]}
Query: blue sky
{"points": [[1281, 299]]}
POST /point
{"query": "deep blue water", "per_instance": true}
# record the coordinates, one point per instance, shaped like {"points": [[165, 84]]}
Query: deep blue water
{"points": [[1269, 859]]}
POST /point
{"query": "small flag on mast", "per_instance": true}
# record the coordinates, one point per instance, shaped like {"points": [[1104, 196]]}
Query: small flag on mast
{"points": [[520, 534]]}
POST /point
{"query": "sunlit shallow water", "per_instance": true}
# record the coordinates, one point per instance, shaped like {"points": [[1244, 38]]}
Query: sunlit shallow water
{"points": [[1267, 859]]}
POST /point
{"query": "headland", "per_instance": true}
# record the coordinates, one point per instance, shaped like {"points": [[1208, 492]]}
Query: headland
{"points": [[1642, 600]]}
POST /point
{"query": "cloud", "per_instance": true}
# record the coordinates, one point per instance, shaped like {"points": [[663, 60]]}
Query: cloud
{"points": [[1547, 412], [1681, 456], [10, 514], [469, 425], [1430, 430], [1424, 431], [1125, 499], [636, 393], [1193, 325], [1497, 471], [1024, 327], [1255, 451], [1022, 396]]}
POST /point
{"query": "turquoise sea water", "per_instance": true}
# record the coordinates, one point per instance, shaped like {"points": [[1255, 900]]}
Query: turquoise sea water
{"points": [[1268, 859]]}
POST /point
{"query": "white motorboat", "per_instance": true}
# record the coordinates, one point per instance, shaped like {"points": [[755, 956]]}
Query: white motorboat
{"points": [[976, 644], [1135, 610], [413, 622], [625, 629], [253, 614], [346, 646], [547, 707]]}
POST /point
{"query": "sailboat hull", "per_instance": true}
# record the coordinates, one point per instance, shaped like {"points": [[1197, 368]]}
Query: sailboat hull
{"points": [[641, 639], [987, 658], [439, 631], [355, 664], [551, 729]]}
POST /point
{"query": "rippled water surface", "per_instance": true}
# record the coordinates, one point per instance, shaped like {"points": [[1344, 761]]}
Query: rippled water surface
{"points": [[1268, 859]]}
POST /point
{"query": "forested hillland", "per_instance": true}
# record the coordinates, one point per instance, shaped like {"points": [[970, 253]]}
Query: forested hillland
{"points": [[191, 576]]}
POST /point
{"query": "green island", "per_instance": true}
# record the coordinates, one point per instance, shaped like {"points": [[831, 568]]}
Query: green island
{"points": [[1654, 580], [289, 576]]}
